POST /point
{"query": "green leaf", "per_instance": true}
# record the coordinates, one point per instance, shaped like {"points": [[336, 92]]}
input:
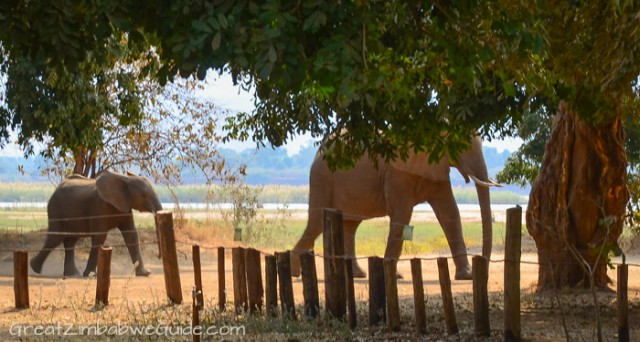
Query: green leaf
{"points": [[200, 25], [265, 72], [215, 42], [223, 21], [272, 55], [314, 21], [509, 89], [213, 22]]}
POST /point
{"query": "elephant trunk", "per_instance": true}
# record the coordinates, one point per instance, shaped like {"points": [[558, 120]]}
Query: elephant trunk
{"points": [[472, 166], [487, 225], [157, 206]]}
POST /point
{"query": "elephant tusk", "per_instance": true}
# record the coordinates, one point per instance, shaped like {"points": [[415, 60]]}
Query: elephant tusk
{"points": [[495, 183], [483, 183]]}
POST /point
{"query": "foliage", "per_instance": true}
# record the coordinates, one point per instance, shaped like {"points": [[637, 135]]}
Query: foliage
{"points": [[113, 116], [69, 109], [320, 67], [523, 165], [410, 71], [423, 74], [177, 131], [256, 229]]}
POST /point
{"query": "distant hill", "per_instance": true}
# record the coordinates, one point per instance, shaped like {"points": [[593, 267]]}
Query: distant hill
{"points": [[265, 166], [18, 169]]}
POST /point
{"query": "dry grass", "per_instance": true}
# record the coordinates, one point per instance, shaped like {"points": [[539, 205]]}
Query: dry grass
{"points": [[141, 302]]}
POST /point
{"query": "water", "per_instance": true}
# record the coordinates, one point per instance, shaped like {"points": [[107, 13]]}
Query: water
{"points": [[423, 207]]}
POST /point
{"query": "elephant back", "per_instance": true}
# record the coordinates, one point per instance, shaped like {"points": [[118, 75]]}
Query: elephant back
{"points": [[72, 198]]}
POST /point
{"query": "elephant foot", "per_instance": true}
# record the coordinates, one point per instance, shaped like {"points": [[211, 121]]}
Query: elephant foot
{"points": [[88, 273], [463, 273], [357, 271], [295, 264], [142, 272], [36, 267], [73, 273]]}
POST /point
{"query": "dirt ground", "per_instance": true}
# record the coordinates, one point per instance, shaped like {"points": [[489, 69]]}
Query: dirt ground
{"points": [[55, 300]]}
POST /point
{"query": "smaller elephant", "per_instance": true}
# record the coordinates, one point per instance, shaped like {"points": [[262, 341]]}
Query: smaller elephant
{"points": [[85, 207]]}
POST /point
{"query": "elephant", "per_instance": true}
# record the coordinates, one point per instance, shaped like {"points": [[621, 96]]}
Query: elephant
{"points": [[85, 207], [393, 188]]}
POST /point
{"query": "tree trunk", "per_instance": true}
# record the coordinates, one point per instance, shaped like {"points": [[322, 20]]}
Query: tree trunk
{"points": [[85, 163], [577, 203]]}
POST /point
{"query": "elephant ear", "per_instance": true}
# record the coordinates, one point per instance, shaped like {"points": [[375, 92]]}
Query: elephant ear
{"points": [[112, 188], [418, 164]]}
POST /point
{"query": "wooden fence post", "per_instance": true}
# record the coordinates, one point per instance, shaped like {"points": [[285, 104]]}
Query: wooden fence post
{"points": [[254, 280], [197, 276], [164, 221], [512, 330], [480, 275], [418, 296], [222, 293], [351, 293], [103, 277], [195, 315], [623, 303], [159, 243], [391, 289], [21, 279], [271, 284], [310, 285], [239, 280], [377, 295], [334, 274], [286, 286], [447, 297]]}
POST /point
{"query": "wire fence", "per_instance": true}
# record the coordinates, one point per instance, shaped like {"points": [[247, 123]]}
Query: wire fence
{"points": [[347, 216]]}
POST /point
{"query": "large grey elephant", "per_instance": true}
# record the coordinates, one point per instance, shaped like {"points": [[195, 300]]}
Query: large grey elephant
{"points": [[393, 189], [81, 207]]}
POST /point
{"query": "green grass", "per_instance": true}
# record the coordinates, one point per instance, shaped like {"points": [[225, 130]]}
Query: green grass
{"points": [[283, 232], [371, 237], [40, 192], [23, 219]]}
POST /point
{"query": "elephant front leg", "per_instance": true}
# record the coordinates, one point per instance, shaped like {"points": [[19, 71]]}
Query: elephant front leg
{"points": [[70, 269], [447, 213], [394, 244], [133, 245], [349, 228], [394, 241], [96, 242]]}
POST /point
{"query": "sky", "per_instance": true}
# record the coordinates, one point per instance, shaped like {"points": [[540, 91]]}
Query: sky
{"points": [[221, 90]]}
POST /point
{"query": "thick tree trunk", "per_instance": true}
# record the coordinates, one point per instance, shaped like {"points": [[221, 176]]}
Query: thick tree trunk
{"points": [[85, 163], [577, 203]]}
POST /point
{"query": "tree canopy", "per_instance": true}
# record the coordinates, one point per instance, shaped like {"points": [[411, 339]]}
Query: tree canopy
{"points": [[424, 74]]}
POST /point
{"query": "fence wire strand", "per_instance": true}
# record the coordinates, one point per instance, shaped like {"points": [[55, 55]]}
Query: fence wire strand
{"points": [[345, 215]]}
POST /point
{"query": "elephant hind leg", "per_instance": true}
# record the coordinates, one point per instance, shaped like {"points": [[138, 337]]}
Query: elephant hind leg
{"points": [[306, 242], [50, 244], [96, 242], [70, 269]]}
